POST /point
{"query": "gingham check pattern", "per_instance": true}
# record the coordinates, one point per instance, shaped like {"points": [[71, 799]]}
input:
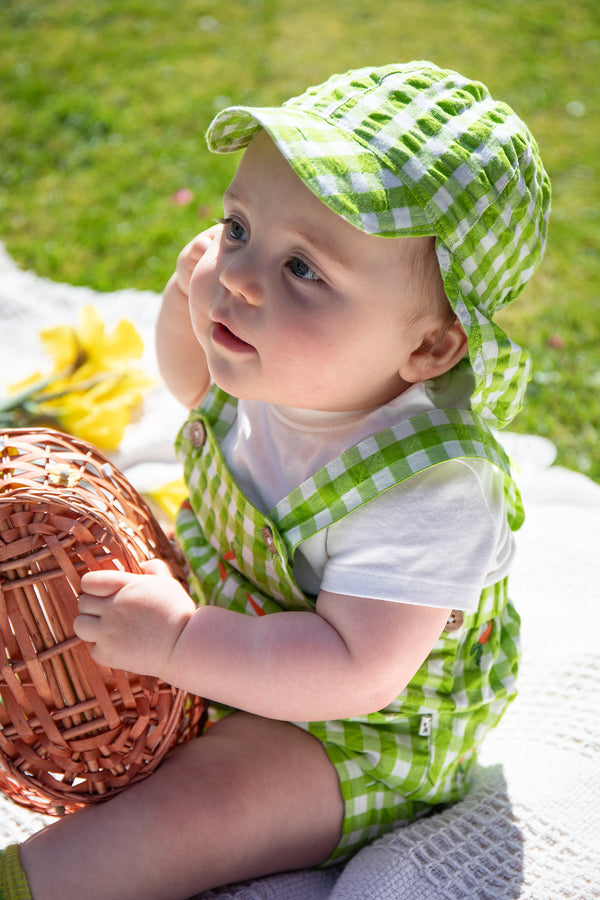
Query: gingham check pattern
{"points": [[236, 565], [416, 752], [415, 150]]}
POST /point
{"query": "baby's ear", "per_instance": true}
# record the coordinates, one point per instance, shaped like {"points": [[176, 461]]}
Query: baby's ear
{"points": [[437, 354]]}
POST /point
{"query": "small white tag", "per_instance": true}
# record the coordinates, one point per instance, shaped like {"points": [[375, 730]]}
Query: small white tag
{"points": [[425, 726]]}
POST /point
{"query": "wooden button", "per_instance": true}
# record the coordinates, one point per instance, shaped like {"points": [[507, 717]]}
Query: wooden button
{"points": [[267, 536], [455, 620], [198, 434]]}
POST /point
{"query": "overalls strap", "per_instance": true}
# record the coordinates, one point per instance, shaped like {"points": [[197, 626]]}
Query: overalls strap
{"points": [[386, 459]]}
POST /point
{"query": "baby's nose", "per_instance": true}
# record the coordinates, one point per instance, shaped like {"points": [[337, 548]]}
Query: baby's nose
{"points": [[242, 277]]}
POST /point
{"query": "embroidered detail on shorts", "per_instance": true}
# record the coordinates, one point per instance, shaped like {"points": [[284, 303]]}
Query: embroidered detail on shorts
{"points": [[477, 649]]}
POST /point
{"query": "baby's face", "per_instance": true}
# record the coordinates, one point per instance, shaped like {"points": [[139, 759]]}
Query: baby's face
{"points": [[293, 305]]}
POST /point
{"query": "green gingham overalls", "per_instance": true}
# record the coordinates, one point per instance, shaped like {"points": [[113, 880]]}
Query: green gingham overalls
{"points": [[394, 764]]}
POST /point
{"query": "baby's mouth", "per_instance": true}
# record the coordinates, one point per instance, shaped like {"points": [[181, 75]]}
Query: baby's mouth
{"points": [[224, 337]]}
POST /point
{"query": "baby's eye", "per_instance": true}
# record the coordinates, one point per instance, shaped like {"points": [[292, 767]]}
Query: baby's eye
{"points": [[301, 269], [234, 229]]}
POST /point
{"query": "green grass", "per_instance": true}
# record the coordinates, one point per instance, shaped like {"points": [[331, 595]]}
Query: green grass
{"points": [[104, 103]]}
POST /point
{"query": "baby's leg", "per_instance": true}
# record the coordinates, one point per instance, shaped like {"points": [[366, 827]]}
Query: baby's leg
{"points": [[250, 797]]}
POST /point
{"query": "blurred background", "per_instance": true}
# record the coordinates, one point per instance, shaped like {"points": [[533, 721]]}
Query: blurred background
{"points": [[104, 174]]}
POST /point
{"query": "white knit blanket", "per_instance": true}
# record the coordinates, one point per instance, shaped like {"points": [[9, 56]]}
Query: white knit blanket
{"points": [[530, 826]]}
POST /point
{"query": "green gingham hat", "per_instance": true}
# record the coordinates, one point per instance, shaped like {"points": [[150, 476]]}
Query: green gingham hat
{"points": [[412, 149]]}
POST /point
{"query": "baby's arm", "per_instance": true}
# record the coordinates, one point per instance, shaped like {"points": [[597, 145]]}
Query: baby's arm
{"points": [[352, 656], [181, 358]]}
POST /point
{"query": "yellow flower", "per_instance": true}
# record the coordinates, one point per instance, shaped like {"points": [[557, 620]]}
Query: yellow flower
{"points": [[102, 351], [167, 498], [100, 412], [93, 391], [88, 349]]}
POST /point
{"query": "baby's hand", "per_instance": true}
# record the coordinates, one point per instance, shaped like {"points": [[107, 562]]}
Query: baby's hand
{"points": [[133, 621], [191, 254], [181, 359]]}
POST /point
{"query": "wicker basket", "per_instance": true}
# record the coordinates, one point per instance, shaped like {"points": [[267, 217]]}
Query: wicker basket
{"points": [[71, 731]]}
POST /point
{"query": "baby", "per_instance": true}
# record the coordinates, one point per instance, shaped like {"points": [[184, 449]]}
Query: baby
{"points": [[350, 514]]}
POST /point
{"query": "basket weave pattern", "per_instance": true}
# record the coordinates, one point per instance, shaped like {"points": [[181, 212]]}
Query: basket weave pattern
{"points": [[72, 731]]}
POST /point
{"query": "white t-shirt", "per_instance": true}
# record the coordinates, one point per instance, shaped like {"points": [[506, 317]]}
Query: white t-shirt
{"points": [[434, 540]]}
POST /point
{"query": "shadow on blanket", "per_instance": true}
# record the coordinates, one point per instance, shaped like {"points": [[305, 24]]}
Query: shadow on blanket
{"points": [[473, 850]]}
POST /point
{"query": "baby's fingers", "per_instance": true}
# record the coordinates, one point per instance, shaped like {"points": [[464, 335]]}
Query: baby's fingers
{"points": [[91, 605], [191, 254], [156, 567], [104, 583], [86, 627]]}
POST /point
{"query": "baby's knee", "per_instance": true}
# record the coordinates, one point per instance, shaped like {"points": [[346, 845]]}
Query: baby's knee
{"points": [[220, 764]]}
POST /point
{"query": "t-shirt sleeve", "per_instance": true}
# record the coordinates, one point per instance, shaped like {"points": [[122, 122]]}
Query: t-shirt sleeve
{"points": [[434, 540]]}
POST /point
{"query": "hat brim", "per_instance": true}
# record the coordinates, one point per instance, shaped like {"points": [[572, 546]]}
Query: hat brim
{"points": [[346, 175]]}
